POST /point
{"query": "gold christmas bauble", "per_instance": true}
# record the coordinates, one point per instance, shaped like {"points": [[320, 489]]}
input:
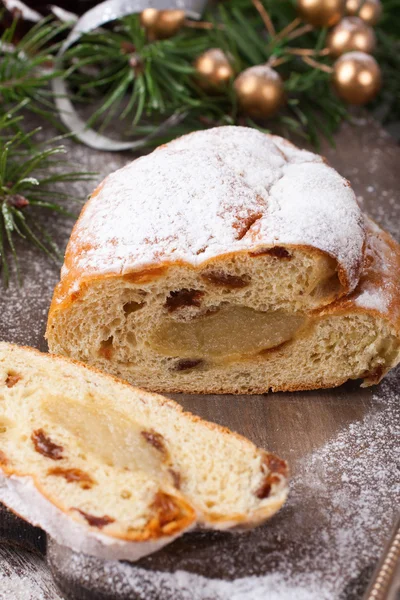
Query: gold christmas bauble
{"points": [[148, 17], [350, 34], [368, 10], [260, 91], [214, 69], [357, 77], [162, 24], [321, 13]]}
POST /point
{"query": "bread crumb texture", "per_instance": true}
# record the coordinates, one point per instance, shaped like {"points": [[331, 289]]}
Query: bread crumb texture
{"points": [[118, 463], [343, 497], [243, 324]]}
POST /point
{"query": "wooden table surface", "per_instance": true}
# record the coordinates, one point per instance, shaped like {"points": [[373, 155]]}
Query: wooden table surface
{"points": [[326, 540]]}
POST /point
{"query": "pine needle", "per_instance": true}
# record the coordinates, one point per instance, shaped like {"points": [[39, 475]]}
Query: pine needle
{"points": [[29, 172]]}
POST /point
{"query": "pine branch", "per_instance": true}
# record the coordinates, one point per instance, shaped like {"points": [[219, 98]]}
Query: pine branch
{"points": [[28, 174], [144, 82], [26, 68], [147, 82]]}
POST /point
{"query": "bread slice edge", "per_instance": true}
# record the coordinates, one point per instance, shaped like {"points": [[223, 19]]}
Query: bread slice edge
{"points": [[23, 495]]}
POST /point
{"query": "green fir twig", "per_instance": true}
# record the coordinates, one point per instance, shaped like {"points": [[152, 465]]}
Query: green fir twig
{"points": [[27, 67], [29, 172], [126, 76], [146, 82]]}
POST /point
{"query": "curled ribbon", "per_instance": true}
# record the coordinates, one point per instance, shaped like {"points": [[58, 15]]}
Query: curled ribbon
{"points": [[99, 15]]}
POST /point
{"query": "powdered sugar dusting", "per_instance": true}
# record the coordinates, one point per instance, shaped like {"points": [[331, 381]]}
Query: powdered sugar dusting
{"points": [[379, 287], [187, 201], [374, 299], [19, 587], [24, 576], [338, 548]]}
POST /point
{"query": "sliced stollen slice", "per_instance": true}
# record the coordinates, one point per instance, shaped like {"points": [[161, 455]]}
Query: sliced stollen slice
{"points": [[117, 472]]}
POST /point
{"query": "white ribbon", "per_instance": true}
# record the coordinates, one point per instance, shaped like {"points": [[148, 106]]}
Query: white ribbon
{"points": [[95, 17]]}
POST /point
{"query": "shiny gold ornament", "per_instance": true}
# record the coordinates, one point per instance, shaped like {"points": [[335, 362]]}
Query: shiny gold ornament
{"points": [[162, 24], [368, 10], [321, 13], [214, 69], [356, 77], [350, 34], [260, 91]]}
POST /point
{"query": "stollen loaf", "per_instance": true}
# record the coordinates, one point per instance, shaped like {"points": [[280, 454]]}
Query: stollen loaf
{"points": [[117, 472], [228, 261]]}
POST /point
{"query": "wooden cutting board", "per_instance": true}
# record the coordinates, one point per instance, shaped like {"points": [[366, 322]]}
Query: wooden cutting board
{"points": [[340, 444]]}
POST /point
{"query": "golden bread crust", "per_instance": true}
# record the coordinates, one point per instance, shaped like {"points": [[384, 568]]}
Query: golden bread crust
{"points": [[378, 291]]}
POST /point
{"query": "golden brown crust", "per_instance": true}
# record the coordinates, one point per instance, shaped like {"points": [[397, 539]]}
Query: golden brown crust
{"points": [[156, 528], [380, 276], [304, 387]]}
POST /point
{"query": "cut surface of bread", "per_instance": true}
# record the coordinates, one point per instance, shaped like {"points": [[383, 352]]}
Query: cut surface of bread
{"points": [[115, 471], [211, 332], [182, 333]]}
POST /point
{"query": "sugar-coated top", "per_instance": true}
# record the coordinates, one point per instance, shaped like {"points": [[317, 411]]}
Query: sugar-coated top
{"points": [[213, 192]]}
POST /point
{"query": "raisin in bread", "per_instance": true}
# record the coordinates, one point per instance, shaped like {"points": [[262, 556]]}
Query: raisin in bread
{"points": [[206, 267], [114, 471]]}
